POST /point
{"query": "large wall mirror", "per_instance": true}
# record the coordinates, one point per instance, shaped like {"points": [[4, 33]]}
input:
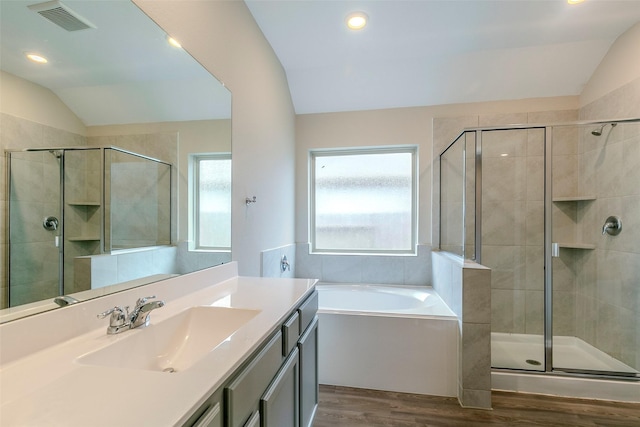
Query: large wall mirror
{"points": [[116, 155]]}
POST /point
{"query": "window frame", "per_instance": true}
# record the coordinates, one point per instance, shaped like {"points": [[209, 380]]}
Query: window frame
{"points": [[332, 152], [195, 201]]}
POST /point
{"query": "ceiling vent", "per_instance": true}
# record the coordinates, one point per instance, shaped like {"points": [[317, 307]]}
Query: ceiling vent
{"points": [[61, 15]]}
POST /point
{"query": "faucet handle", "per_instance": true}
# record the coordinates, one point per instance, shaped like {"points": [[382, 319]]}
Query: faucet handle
{"points": [[117, 311], [143, 300], [118, 319]]}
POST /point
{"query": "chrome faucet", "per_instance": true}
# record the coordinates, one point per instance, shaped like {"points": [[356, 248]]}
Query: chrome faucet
{"points": [[120, 319], [139, 317]]}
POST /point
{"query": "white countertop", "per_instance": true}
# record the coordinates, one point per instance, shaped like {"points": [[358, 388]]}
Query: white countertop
{"points": [[48, 387]]}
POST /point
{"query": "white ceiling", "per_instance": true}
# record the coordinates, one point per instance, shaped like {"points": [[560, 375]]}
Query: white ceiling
{"points": [[431, 52], [122, 71]]}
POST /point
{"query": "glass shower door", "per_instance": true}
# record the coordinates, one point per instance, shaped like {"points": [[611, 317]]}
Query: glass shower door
{"points": [[512, 243], [34, 226]]}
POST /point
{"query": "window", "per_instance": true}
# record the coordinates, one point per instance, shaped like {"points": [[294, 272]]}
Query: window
{"points": [[211, 191], [363, 201]]}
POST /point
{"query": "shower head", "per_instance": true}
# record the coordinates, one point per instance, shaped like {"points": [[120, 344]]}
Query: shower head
{"points": [[598, 132]]}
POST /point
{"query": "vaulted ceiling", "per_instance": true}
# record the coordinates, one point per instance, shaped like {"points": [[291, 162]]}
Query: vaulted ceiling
{"points": [[120, 71], [431, 52]]}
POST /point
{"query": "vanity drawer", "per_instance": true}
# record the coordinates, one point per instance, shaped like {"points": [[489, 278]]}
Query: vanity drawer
{"points": [[308, 310], [290, 333], [243, 394]]}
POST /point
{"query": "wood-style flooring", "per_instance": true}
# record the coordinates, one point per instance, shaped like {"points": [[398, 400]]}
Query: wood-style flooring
{"points": [[352, 407]]}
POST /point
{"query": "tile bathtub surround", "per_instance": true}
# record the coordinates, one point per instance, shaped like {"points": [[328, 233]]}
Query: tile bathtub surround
{"points": [[270, 262], [98, 271], [466, 287], [413, 270], [188, 261]]}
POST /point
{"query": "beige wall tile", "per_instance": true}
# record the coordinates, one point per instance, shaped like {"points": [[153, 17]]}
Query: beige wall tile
{"points": [[557, 116], [486, 120], [534, 312], [476, 356], [476, 295], [507, 311]]}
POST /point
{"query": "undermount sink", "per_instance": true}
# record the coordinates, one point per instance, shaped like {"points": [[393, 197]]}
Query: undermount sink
{"points": [[174, 344]]}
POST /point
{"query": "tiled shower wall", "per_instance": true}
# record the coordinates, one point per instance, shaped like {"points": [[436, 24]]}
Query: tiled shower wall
{"points": [[83, 212], [608, 283], [140, 209], [161, 146], [513, 210], [17, 134]]}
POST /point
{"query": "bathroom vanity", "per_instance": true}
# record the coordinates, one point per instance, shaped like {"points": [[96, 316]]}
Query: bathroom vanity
{"points": [[224, 350]]}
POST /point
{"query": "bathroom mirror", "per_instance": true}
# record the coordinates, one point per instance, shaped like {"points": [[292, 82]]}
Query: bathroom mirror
{"points": [[112, 80]]}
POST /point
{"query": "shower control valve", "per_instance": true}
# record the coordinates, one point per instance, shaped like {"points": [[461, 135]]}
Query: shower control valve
{"points": [[612, 226], [50, 223]]}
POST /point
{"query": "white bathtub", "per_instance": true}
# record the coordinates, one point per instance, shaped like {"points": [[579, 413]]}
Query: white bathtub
{"points": [[381, 300], [387, 338]]}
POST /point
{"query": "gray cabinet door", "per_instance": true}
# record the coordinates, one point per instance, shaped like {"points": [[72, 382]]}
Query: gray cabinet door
{"points": [[212, 417], [243, 394], [279, 405], [308, 346], [254, 421]]}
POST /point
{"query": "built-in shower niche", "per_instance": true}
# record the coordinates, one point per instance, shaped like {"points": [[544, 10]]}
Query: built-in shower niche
{"points": [[82, 216]]}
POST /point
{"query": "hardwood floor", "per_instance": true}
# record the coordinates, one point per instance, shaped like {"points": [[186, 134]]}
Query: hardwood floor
{"points": [[352, 407]]}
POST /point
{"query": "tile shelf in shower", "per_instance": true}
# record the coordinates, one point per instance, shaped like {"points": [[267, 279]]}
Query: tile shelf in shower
{"points": [[83, 203], [84, 239], [585, 246], [574, 199]]}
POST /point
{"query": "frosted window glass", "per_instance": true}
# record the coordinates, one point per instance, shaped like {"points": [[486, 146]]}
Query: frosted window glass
{"points": [[364, 202], [214, 203]]}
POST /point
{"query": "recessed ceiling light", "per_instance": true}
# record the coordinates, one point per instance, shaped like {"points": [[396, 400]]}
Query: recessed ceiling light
{"points": [[173, 42], [37, 58], [574, 1], [357, 20]]}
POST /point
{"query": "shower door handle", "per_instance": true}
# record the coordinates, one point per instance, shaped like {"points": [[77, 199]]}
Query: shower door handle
{"points": [[50, 223]]}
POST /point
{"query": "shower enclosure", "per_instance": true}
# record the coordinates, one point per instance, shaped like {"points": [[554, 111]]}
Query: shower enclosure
{"points": [[70, 203], [554, 211]]}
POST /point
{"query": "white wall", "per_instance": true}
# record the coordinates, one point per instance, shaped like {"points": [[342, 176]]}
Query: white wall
{"points": [[620, 66], [224, 38], [27, 100]]}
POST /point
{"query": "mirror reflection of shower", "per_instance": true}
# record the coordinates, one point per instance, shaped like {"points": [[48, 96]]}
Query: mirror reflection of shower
{"points": [[67, 205]]}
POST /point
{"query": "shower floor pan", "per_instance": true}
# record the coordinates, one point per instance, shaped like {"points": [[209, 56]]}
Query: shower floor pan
{"points": [[525, 351]]}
